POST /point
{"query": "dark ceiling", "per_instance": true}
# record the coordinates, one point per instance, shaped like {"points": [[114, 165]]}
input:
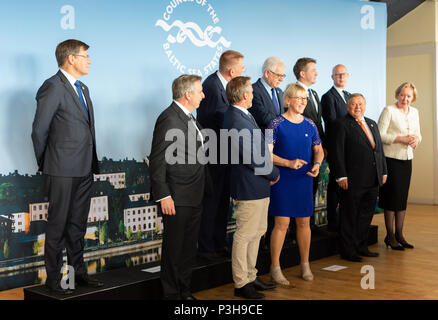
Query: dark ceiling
{"points": [[399, 8]]}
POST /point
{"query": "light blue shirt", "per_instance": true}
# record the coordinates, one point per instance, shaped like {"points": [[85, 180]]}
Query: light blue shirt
{"points": [[269, 88]]}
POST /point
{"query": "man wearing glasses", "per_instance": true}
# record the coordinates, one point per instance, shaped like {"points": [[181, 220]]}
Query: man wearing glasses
{"points": [[267, 103], [334, 106], [64, 142]]}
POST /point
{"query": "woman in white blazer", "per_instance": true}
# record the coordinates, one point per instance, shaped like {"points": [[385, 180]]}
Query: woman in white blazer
{"points": [[399, 127]]}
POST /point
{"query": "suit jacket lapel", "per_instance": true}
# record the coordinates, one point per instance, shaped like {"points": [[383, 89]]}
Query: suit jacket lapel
{"points": [[267, 96], [337, 95], [185, 119], [355, 124], [221, 88], [73, 93]]}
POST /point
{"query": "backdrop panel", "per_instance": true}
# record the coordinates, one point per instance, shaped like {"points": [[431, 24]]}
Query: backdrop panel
{"points": [[136, 49]]}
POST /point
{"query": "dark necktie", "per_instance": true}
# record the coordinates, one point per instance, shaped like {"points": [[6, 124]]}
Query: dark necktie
{"points": [[346, 95], [311, 101], [79, 89], [275, 101], [198, 134]]}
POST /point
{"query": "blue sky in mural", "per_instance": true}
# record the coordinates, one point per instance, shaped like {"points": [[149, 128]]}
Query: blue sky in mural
{"points": [[134, 60]]}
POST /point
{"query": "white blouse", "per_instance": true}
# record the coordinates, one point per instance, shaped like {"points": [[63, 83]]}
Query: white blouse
{"points": [[393, 123]]}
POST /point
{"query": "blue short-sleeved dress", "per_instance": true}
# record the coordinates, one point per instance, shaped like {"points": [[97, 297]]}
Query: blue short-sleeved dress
{"points": [[292, 195]]}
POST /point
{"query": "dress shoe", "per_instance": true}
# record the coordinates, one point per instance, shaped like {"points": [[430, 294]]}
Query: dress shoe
{"points": [[86, 281], [403, 242], [261, 286], [58, 290], [190, 297], [248, 292], [369, 254], [388, 244], [354, 258]]}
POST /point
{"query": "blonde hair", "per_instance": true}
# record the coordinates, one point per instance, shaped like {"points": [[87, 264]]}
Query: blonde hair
{"points": [[406, 85], [291, 91]]}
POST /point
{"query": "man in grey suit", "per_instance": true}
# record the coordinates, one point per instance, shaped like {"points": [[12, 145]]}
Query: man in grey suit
{"points": [[178, 183], [64, 142]]}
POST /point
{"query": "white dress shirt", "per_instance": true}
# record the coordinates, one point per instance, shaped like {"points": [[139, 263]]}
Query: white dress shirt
{"points": [[393, 123], [311, 96], [72, 81]]}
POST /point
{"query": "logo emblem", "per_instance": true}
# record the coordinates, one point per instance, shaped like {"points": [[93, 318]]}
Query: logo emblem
{"points": [[187, 43]]}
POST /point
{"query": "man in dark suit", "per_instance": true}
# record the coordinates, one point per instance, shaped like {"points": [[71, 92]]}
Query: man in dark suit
{"points": [[334, 106], [305, 72], [64, 142], [268, 97], [178, 181], [360, 168], [212, 234], [250, 187]]}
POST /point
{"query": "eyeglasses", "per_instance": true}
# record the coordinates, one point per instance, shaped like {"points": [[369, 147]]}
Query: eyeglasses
{"points": [[340, 75], [277, 74], [301, 99], [81, 55]]}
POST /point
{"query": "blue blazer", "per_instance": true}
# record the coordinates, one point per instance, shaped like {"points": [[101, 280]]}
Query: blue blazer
{"points": [[245, 184], [263, 109], [210, 113]]}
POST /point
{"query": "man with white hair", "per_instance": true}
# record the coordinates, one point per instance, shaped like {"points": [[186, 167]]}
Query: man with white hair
{"points": [[267, 103]]}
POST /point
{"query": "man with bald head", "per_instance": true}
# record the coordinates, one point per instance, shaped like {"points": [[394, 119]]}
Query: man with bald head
{"points": [[333, 104], [267, 103]]}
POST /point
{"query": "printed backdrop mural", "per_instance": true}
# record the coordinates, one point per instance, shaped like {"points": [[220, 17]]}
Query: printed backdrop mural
{"points": [[136, 49]]}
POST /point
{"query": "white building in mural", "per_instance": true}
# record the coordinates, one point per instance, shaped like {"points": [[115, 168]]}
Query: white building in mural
{"points": [[135, 197], [117, 179], [141, 216], [38, 211], [98, 209]]}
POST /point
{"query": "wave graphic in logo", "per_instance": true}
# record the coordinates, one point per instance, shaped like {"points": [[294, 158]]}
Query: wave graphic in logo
{"points": [[192, 31]]}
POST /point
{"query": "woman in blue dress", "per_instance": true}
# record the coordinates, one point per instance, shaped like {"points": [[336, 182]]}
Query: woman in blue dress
{"points": [[295, 144]]}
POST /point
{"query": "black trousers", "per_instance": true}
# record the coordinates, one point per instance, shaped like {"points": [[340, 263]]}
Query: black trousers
{"points": [[216, 209], [356, 213], [69, 206], [178, 254], [333, 199]]}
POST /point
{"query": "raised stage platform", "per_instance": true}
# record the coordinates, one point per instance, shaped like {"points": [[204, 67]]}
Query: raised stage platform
{"points": [[135, 284]]}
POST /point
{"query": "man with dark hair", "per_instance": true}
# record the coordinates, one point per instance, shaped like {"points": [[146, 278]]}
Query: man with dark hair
{"points": [[359, 168], [64, 141], [250, 189], [212, 242], [305, 72], [178, 183]]}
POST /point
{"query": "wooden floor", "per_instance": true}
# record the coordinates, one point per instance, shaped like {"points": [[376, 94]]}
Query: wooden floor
{"points": [[410, 274]]}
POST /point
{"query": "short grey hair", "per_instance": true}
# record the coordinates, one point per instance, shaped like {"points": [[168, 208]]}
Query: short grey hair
{"points": [[271, 64], [182, 84]]}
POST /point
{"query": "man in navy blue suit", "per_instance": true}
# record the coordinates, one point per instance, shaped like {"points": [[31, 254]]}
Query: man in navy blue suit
{"points": [[268, 97], [212, 235], [251, 178], [334, 107], [64, 141]]}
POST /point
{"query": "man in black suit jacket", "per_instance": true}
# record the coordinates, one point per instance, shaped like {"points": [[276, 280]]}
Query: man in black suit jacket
{"points": [[210, 114], [178, 182], [360, 168], [64, 142], [268, 97], [305, 72], [250, 188], [334, 106]]}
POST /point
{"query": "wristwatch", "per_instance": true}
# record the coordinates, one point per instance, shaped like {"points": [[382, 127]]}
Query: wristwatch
{"points": [[317, 162]]}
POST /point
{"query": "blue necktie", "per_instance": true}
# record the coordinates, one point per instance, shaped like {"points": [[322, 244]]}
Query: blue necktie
{"points": [[78, 87], [346, 95], [274, 100]]}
